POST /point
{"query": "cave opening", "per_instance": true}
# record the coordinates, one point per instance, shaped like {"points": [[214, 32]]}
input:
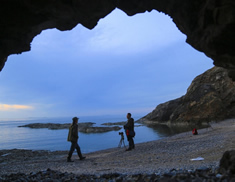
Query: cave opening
{"points": [[125, 64]]}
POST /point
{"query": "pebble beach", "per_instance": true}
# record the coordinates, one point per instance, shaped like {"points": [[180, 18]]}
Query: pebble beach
{"points": [[181, 152]]}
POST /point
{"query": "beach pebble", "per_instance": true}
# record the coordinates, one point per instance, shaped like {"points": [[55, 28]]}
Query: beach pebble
{"points": [[56, 176]]}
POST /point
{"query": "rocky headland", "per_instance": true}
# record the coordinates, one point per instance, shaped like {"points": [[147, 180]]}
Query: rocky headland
{"points": [[82, 127], [210, 97], [170, 159]]}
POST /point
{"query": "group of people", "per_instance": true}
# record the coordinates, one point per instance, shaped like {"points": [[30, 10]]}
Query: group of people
{"points": [[73, 136]]}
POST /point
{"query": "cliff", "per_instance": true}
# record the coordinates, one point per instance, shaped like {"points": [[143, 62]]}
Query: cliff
{"points": [[210, 97]]}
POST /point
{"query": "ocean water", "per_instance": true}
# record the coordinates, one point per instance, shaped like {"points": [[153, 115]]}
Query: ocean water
{"points": [[14, 137]]}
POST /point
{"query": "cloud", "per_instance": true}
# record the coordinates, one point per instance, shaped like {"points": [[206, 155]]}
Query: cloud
{"points": [[7, 107]]}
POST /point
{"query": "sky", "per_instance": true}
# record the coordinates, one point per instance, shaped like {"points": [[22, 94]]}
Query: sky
{"points": [[125, 64]]}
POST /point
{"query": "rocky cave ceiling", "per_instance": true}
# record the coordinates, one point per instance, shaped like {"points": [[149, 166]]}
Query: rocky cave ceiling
{"points": [[208, 24]]}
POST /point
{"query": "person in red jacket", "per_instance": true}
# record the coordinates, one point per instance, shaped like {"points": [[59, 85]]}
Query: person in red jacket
{"points": [[73, 138]]}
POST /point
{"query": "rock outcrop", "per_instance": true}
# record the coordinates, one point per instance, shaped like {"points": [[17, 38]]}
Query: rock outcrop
{"points": [[210, 97], [99, 129], [122, 123], [227, 163], [82, 127], [208, 24], [55, 126]]}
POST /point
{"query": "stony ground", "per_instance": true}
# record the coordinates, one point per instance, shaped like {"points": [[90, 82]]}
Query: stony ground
{"points": [[156, 157]]}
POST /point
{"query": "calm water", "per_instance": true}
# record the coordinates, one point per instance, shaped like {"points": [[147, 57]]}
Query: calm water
{"points": [[12, 136]]}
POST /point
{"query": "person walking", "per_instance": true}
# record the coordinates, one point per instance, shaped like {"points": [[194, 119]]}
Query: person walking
{"points": [[130, 133], [73, 138]]}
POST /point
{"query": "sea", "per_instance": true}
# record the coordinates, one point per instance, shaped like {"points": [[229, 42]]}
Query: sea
{"points": [[14, 137]]}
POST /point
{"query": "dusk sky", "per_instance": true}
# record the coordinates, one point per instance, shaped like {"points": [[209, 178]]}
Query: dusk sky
{"points": [[125, 64]]}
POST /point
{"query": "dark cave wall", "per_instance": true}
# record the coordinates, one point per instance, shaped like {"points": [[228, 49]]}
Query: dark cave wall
{"points": [[208, 24]]}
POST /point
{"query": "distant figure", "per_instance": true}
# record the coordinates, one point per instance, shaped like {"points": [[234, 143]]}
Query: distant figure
{"points": [[130, 133], [73, 138], [195, 131]]}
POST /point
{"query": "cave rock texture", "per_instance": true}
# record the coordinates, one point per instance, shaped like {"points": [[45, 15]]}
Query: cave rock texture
{"points": [[208, 24]]}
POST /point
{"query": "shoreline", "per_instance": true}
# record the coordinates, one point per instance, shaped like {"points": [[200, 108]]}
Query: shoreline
{"points": [[157, 156]]}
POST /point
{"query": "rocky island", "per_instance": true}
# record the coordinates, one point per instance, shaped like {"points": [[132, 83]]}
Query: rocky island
{"points": [[82, 127], [115, 123]]}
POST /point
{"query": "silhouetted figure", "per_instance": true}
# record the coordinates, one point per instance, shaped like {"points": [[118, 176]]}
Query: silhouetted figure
{"points": [[73, 138], [130, 133]]}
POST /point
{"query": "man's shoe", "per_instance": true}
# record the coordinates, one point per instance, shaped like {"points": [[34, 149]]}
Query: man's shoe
{"points": [[82, 158], [69, 160], [128, 149]]}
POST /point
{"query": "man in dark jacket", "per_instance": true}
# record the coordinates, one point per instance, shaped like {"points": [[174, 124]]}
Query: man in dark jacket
{"points": [[73, 138], [130, 133]]}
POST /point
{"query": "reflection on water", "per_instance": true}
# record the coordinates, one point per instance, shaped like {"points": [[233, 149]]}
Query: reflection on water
{"points": [[169, 130]]}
